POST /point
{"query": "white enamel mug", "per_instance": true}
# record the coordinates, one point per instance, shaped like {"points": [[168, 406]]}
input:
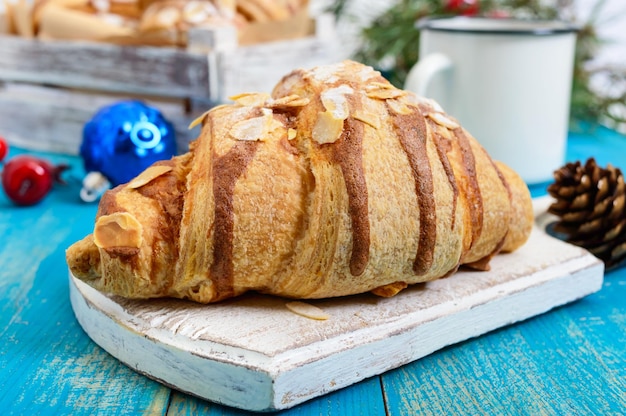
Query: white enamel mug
{"points": [[507, 81]]}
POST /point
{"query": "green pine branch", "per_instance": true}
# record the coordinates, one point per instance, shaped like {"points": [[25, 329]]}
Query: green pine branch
{"points": [[391, 42]]}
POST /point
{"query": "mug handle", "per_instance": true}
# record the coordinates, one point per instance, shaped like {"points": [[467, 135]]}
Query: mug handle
{"points": [[420, 76]]}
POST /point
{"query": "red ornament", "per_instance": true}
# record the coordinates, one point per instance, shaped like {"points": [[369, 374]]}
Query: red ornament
{"points": [[463, 7], [27, 179], [4, 148]]}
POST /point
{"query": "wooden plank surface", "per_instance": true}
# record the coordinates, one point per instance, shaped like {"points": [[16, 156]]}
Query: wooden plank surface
{"points": [[570, 361], [165, 72], [362, 399], [213, 67]]}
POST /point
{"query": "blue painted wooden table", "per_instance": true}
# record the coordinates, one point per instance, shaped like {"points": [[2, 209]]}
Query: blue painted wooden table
{"points": [[571, 360]]}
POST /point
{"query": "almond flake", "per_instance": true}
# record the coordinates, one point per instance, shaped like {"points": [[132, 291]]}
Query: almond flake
{"points": [[443, 120], [368, 118], [327, 128], [380, 85], [399, 107], [148, 175], [336, 102], [251, 99], [327, 73], [366, 73], [256, 128], [385, 93], [198, 120], [390, 290], [307, 310], [291, 134], [417, 100], [288, 101], [250, 129], [120, 229]]}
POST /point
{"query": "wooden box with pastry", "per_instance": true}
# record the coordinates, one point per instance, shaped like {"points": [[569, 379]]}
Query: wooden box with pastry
{"points": [[338, 197], [62, 60]]}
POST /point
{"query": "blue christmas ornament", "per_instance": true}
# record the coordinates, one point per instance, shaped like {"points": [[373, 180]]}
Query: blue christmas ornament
{"points": [[124, 138]]}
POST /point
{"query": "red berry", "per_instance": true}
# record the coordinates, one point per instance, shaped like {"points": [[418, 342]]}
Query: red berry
{"points": [[4, 148], [463, 7], [26, 179]]}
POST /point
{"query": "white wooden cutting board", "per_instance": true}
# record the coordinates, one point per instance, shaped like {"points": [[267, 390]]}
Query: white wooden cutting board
{"points": [[255, 354]]}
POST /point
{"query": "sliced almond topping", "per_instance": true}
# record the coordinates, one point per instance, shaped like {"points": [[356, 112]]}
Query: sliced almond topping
{"points": [[250, 129], [417, 100], [399, 107], [385, 93], [327, 73], [380, 85], [327, 128], [251, 99], [119, 229], [148, 175], [198, 120], [291, 134], [443, 120], [390, 290], [272, 124], [366, 73], [307, 310], [336, 102], [288, 101], [256, 128], [367, 118]]}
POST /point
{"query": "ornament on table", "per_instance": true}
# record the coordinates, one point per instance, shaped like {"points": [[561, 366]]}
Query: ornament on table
{"points": [[119, 142], [463, 7], [27, 179], [591, 209]]}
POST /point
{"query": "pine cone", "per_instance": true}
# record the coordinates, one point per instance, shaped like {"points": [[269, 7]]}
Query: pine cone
{"points": [[590, 204]]}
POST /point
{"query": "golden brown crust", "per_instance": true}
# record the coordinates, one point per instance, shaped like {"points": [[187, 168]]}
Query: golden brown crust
{"points": [[337, 184], [83, 258]]}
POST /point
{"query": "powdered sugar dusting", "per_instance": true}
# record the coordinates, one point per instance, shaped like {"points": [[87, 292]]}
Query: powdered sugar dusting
{"points": [[335, 101]]}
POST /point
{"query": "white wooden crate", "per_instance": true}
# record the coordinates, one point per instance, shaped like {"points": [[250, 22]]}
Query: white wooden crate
{"points": [[49, 89]]}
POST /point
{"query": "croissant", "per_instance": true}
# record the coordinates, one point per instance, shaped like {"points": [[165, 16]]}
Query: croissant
{"points": [[335, 184]]}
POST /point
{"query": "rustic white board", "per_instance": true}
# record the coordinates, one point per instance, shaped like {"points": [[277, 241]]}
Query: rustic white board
{"points": [[255, 354]]}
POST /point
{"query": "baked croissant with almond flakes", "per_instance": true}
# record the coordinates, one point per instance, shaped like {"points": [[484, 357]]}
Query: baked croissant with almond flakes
{"points": [[335, 184]]}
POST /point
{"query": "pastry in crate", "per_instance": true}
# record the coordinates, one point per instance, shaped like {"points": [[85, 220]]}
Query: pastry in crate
{"points": [[335, 184]]}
